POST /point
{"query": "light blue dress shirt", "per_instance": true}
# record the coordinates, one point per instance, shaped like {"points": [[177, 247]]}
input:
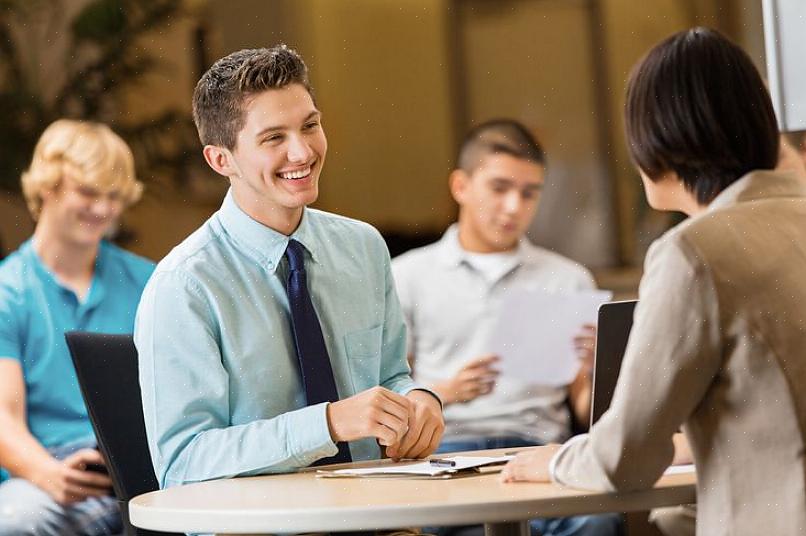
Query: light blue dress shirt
{"points": [[222, 394]]}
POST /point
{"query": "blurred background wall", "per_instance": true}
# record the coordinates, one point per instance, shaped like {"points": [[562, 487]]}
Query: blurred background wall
{"points": [[398, 83]]}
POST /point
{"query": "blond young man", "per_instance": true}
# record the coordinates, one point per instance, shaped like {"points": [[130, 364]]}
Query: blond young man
{"points": [[66, 277]]}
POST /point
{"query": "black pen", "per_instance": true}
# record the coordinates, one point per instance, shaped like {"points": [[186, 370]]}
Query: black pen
{"points": [[439, 462]]}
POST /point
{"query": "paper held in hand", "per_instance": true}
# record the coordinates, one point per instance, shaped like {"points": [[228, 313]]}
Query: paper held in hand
{"points": [[680, 469], [534, 336], [463, 465]]}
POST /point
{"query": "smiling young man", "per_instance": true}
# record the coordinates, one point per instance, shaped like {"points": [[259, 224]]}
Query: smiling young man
{"points": [[452, 291], [64, 278], [272, 338]]}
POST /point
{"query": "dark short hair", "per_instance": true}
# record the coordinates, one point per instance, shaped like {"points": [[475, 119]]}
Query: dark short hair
{"points": [[499, 136], [696, 105], [222, 92]]}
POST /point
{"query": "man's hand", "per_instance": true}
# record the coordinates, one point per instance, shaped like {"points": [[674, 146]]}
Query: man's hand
{"points": [[579, 392], [425, 428], [530, 466], [68, 481], [376, 412], [476, 378], [585, 346], [682, 450]]}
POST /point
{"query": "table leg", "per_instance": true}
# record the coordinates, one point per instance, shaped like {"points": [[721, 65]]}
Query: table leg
{"points": [[513, 528]]}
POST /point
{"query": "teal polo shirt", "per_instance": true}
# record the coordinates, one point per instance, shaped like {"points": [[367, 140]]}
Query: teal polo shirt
{"points": [[35, 313]]}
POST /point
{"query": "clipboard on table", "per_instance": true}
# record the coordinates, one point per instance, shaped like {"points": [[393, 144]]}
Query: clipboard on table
{"points": [[433, 469]]}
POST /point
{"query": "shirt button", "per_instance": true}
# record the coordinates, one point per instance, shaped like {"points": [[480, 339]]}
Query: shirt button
{"points": [[270, 265]]}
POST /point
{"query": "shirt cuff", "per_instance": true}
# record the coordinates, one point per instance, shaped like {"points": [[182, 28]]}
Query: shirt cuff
{"points": [[554, 459], [313, 442]]}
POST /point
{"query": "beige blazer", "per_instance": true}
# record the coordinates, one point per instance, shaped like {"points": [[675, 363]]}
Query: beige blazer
{"points": [[719, 346]]}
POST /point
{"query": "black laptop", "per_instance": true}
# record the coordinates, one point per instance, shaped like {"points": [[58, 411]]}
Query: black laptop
{"points": [[613, 330]]}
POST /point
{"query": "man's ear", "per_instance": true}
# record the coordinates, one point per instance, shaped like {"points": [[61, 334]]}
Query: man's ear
{"points": [[50, 191], [221, 160], [457, 181], [47, 193]]}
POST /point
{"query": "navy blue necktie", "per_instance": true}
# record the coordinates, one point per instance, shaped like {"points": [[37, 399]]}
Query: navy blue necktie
{"points": [[314, 362]]}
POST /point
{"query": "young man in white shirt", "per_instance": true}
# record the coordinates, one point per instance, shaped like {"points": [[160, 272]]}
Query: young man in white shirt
{"points": [[451, 292]]}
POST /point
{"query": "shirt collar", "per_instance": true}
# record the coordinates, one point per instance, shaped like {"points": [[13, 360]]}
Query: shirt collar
{"points": [[97, 291], [261, 243], [729, 195], [452, 254], [759, 185]]}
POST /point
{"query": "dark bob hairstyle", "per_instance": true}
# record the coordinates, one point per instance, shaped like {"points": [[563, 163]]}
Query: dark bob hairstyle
{"points": [[697, 106]]}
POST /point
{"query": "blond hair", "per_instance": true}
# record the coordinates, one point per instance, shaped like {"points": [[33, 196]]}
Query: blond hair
{"points": [[88, 153]]}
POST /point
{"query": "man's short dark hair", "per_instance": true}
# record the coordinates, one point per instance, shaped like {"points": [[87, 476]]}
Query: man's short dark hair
{"points": [[499, 136], [223, 91], [696, 105]]}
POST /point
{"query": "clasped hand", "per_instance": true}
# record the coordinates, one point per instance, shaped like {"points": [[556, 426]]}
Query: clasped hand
{"points": [[408, 426]]}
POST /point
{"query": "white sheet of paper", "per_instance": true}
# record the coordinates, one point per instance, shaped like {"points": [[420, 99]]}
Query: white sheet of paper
{"points": [[424, 468], [680, 469], [534, 336]]}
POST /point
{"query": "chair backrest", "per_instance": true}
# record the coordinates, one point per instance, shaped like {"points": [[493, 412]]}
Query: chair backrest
{"points": [[106, 366], [612, 332]]}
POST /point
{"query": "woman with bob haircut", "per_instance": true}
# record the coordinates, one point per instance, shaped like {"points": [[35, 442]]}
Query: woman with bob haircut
{"points": [[719, 334]]}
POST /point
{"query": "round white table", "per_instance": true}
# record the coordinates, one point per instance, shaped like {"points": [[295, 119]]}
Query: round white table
{"points": [[301, 502]]}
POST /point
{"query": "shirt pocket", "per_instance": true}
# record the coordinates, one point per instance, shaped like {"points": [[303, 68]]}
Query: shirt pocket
{"points": [[363, 350]]}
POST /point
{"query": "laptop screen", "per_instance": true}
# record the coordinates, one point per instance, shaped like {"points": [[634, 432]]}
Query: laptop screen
{"points": [[613, 330]]}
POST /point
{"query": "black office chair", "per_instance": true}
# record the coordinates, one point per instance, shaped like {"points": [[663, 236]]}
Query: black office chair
{"points": [[106, 366]]}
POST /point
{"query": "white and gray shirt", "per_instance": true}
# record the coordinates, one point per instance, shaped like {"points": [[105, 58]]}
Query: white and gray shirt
{"points": [[451, 300]]}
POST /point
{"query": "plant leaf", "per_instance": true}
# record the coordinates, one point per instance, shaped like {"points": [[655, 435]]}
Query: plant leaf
{"points": [[100, 21]]}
